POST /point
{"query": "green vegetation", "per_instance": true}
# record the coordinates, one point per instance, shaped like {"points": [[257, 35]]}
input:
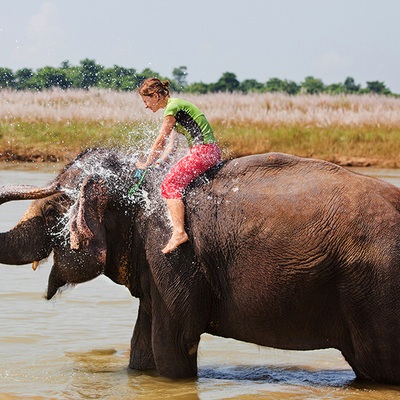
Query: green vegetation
{"points": [[41, 141], [378, 146], [89, 74]]}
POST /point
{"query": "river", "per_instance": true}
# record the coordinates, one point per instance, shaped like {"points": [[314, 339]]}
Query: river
{"points": [[77, 345]]}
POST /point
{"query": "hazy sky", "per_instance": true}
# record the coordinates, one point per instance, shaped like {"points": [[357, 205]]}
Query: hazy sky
{"points": [[255, 39]]}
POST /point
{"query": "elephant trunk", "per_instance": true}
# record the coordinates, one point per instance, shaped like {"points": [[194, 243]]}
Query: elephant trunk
{"points": [[28, 241], [27, 192]]}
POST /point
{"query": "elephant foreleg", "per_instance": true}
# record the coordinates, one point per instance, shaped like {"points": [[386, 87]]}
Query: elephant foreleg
{"points": [[141, 357], [175, 347]]}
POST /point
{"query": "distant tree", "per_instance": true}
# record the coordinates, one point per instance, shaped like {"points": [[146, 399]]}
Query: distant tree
{"points": [[274, 85], [351, 86], [65, 64], [336, 88], [7, 78], [106, 78], [227, 83], [129, 83], [198, 87], [118, 78], [180, 75], [283, 86], [90, 73], [22, 78], [291, 87], [74, 75], [251, 85], [312, 85], [377, 87], [147, 73], [49, 77]]}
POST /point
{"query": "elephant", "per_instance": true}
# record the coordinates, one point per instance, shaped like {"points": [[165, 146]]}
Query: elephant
{"points": [[286, 252]]}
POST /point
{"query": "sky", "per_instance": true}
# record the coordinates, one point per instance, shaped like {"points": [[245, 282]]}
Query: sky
{"points": [[254, 39]]}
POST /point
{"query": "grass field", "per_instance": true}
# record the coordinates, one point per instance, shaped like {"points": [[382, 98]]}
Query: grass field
{"points": [[347, 129]]}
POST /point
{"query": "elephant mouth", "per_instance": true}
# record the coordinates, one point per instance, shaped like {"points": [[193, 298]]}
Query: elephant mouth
{"points": [[72, 267], [54, 284]]}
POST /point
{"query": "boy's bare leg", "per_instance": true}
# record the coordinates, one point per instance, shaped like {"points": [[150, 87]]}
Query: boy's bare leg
{"points": [[177, 211]]}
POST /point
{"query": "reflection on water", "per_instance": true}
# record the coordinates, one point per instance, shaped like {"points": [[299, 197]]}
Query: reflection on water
{"points": [[77, 346]]}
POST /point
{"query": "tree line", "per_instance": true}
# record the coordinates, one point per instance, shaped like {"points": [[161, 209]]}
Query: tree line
{"points": [[90, 74]]}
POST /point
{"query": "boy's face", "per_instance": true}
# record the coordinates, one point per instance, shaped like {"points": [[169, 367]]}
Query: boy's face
{"points": [[152, 101]]}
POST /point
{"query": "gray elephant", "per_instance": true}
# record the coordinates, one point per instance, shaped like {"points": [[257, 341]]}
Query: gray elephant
{"points": [[285, 252]]}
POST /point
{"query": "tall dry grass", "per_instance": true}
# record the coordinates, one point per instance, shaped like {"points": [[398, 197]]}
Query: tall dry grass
{"points": [[323, 126], [269, 109]]}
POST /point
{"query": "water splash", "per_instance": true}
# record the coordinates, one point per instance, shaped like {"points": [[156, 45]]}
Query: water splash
{"points": [[116, 168]]}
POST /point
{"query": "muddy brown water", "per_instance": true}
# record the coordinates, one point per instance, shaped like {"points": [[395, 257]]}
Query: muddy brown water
{"points": [[77, 345]]}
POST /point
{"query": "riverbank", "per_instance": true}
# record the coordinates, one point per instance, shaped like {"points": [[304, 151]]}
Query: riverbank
{"points": [[350, 130], [9, 156]]}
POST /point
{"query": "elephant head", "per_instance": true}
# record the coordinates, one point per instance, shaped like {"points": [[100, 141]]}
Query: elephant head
{"points": [[71, 217]]}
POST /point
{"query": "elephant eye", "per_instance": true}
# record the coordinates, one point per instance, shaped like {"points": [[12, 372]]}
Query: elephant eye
{"points": [[53, 212], [56, 207], [49, 213], [56, 213]]}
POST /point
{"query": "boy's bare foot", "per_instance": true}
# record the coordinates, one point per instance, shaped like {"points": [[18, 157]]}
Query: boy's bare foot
{"points": [[176, 240]]}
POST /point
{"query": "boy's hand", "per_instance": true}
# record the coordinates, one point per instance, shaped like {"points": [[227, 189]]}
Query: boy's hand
{"points": [[140, 165]]}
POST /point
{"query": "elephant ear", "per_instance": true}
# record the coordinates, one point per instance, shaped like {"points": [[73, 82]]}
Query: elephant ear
{"points": [[87, 229]]}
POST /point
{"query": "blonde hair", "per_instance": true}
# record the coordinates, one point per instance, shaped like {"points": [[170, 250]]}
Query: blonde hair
{"points": [[154, 85]]}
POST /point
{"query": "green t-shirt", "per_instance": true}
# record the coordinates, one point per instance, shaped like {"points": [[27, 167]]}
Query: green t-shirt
{"points": [[190, 121]]}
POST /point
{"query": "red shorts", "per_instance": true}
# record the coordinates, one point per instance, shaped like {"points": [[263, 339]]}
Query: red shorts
{"points": [[200, 158]]}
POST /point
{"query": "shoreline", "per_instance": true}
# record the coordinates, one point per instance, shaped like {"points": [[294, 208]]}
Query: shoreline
{"points": [[10, 157]]}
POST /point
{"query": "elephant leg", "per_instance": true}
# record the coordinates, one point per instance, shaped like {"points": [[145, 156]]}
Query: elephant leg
{"points": [[370, 363], [373, 352], [175, 351], [141, 357]]}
